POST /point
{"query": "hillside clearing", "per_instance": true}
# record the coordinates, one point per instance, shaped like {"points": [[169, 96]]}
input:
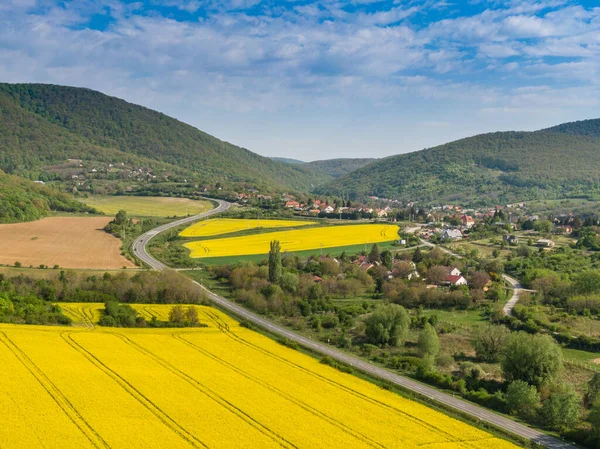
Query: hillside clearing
{"points": [[70, 242], [147, 206], [223, 386]]}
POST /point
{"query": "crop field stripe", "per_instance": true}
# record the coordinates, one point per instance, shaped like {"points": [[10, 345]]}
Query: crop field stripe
{"points": [[282, 393], [61, 400], [196, 384], [225, 329], [89, 322], [135, 393], [451, 438]]}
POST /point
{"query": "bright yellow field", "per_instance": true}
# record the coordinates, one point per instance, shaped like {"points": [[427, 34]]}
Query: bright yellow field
{"points": [[220, 226], [223, 386], [295, 240], [147, 206]]}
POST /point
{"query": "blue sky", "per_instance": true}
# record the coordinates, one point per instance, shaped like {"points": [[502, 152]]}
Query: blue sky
{"points": [[316, 79]]}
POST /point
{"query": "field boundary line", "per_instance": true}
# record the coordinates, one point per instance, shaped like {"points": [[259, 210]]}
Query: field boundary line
{"points": [[135, 393], [54, 392], [209, 393]]}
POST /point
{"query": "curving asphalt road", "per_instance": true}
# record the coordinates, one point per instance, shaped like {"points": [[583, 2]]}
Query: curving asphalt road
{"points": [[139, 244], [449, 400]]}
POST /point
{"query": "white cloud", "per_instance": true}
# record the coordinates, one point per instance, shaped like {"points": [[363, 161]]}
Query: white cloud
{"points": [[291, 57]]}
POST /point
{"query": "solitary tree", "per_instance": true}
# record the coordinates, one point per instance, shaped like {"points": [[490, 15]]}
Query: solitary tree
{"points": [[561, 410], [417, 256], [121, 217], [191, 315], [437, 274], [488, 341], [522, 399], [387, 259], [177, 314], [374, 255], [388, 325], [535, 359], [429, 343], [275, 267], [543, 226]]}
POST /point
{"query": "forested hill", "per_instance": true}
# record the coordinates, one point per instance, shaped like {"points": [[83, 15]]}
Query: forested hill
{"points": [[563, 161], [22, 200], [329, 168], [590, 128], [339, 167], [46, 124]]}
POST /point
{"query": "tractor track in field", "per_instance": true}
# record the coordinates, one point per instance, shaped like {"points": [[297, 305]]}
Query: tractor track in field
{"points": [[135, 393], [56, 394]]}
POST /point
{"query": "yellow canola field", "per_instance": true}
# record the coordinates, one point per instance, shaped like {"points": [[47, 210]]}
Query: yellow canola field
{"points": [[222, 386], [220, 226], [294, 240]]}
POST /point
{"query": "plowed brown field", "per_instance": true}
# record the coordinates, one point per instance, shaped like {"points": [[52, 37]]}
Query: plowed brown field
{"points": [[71, 242]]}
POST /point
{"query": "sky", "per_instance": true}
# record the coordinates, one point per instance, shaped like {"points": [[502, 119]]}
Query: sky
{"points": [[320, 79]]}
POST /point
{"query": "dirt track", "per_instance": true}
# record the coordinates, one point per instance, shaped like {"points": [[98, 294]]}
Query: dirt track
{"points": [[71, 242]]}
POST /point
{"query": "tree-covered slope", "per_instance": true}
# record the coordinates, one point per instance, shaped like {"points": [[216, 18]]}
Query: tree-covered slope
{"points": [[328, 168], [23, 200], [287, 160], [339, 167], [48, 123], [590, 128], [484, 169]]}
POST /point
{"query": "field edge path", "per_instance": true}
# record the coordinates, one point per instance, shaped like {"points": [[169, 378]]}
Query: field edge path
{"points": [[476, 412]]}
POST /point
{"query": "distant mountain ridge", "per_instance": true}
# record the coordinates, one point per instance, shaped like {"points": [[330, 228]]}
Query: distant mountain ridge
{"points": [[562, 161], [45, 124], [333, 168]]}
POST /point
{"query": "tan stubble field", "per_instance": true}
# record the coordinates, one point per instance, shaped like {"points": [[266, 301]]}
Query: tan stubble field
{"points": [[70, 242]]}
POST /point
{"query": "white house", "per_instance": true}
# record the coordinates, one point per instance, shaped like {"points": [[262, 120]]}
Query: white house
{"points": [[455, 280], [452, 234], [455, 272]]}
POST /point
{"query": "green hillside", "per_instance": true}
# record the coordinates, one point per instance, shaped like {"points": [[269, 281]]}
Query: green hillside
{"points": [[338, 167], [22, 200], [328, 168], [485, 169], [590, 128], [287, 160], [47, 124]]}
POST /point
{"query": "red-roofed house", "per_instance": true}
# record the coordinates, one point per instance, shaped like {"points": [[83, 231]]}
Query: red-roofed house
{"points": [[292, 204], [467, 220], [452, 279]]}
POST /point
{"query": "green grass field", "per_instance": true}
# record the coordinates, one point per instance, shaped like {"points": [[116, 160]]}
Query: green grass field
{"points": [[584, 358], [147, 206]]}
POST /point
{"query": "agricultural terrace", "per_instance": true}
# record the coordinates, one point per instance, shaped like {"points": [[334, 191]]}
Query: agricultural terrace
{"points": [[70, 242], [295, 240], [220, 226], [148, 206], [223, 386]]}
